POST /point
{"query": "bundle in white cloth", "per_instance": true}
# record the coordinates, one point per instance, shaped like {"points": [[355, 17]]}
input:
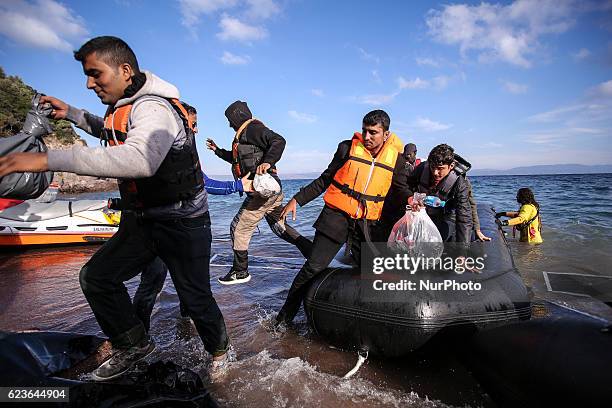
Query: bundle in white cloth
{"points": [[266, 185]]}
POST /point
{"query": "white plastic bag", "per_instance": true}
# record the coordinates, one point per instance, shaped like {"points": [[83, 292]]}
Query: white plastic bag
{"points": [[416, 234], [266, 185]]}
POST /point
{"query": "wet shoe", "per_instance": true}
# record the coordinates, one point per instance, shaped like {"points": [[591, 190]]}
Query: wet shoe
{"points": [[218, 368], [123, 360], [235, 277]]}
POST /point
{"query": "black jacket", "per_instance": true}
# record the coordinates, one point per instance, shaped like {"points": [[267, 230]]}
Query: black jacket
{"points": [[335, 223], [456, 213], [256, 134]]}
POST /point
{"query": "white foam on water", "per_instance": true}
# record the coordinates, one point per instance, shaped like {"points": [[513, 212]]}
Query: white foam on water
{"points": [[262, 380]]}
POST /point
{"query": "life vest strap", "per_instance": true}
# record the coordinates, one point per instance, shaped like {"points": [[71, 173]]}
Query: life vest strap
{"points": [[364, 161], [345, 189]]}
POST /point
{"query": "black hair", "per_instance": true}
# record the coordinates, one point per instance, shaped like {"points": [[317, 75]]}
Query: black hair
{"points": [[112, 50], [189, 108], [525, 196], [377, 117], [441, 155]]}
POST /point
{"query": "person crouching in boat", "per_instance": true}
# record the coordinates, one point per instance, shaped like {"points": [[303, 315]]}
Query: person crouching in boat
{"points": [[527, 219], [438, 177], [364, 171]]}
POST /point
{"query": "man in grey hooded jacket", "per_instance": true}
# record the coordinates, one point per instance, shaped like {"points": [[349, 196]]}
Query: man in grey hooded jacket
{"points": [[164, 218]]}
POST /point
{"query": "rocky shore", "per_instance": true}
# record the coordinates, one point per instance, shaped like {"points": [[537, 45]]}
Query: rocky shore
{"points": [[70, 183]]}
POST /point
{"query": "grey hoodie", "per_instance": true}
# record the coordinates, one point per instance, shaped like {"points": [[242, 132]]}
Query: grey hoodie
{"points": [[154, 127]]}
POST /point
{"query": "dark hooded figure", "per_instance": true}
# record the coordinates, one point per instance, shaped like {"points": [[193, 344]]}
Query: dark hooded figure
{"points": [[255, 150]]}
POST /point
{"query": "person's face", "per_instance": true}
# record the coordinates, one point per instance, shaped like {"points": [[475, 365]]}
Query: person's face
{"points": [[439, 172], [374, 137], [193, 118], [107, 82], [411, 157]]}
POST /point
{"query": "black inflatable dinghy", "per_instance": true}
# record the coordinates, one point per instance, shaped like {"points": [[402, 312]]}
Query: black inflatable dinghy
{"points": [[341, 306]]}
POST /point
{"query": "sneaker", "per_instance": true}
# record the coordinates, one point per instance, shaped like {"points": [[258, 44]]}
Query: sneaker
{"points": [[218, 368], [123, 360], [234, 277]]}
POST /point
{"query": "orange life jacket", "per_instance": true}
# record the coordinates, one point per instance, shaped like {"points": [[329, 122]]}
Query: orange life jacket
{"points": [[179, 176], [360, 186]]}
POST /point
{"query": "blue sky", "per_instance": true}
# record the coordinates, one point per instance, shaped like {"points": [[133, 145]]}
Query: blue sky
{"points": [[505, 83]]}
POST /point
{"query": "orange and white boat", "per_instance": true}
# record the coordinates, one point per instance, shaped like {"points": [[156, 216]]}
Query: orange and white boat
{"points": [[57, 223]]}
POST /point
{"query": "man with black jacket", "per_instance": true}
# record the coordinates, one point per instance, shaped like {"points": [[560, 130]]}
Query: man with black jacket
{"points": [[255, 149], [437, 177], [362, 173]]}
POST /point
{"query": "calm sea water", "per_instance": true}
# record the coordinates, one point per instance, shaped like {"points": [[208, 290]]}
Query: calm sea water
{"points": [[39, 289]]}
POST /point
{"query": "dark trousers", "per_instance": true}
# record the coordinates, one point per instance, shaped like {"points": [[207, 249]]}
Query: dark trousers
{"points": [[184, 246], [152, 280], [324, 249]]}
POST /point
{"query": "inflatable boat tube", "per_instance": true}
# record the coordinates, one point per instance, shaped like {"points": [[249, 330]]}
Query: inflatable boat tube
{"points": [[555, 361], [54, 359], [395, 322]]}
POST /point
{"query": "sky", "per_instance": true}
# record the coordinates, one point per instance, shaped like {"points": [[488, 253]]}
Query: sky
{"points": [[507, 84]]}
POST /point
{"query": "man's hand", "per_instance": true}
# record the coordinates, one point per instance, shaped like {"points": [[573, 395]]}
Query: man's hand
{"points": [[247, 185], [500, 214], [23, 162], [481, 236], [210, 144], [291, 207], [60, 108], [263, 168]]}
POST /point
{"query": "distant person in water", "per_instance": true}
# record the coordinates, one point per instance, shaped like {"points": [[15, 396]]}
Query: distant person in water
{"points": [[527, 219]]}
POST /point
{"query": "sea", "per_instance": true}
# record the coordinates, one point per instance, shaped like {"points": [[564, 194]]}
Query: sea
{"points": [[39, 290]]}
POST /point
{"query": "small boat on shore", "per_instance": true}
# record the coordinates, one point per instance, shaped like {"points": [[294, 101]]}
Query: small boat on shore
{"points": [[56, 223]]}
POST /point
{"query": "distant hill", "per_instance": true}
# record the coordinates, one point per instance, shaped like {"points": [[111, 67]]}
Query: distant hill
{"points": [[545, 169]]}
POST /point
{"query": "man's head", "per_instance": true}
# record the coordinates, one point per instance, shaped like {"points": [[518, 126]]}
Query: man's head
{"points": [[441, 162], [192, 115], [410, 151], [375, 130], [109, 64], [238, 113]]}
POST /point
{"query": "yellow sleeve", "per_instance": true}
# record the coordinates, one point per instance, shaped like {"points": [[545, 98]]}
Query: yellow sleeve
{"points": [[525, 214]]}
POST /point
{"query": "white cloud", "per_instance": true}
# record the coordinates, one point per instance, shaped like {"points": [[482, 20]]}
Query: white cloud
{"points": [[510, 33], [581, 54], [301, 117], [514, 88], [427, 61], [230, 59], [317, 92], [416, 83], [193, 9], [377, 99], [438, 83], [367, 56], [234, 29], [441, 82], [262, 9], [42, 23], [601, 91], [428, 125], [560, 135]]}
